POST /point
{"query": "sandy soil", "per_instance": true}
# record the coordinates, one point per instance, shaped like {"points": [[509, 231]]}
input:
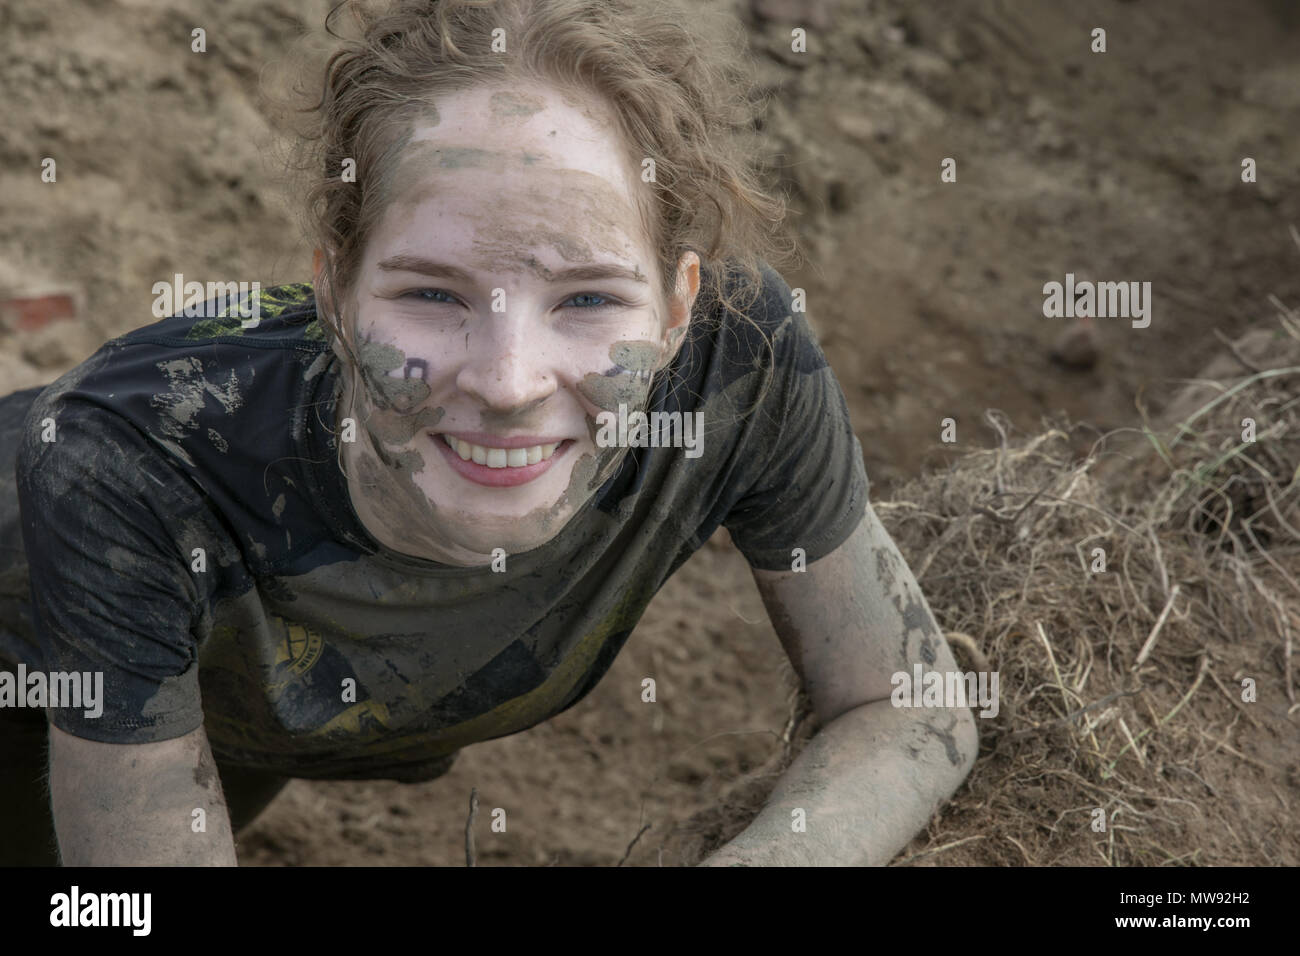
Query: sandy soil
{"points": [[927, 296]]}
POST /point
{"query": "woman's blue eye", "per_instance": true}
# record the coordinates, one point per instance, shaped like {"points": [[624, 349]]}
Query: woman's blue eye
{"points": [[428, 295], [583, 300], [590, 295]]}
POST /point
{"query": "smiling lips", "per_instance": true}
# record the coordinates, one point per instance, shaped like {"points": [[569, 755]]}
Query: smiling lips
{"points": [[502, 463], [497, 457]]}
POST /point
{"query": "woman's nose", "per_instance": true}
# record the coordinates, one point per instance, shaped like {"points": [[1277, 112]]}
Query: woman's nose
{"points": [[506, 368]]}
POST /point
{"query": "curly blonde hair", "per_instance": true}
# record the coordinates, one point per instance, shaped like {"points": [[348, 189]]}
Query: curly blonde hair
{"points": [[677, 81]]}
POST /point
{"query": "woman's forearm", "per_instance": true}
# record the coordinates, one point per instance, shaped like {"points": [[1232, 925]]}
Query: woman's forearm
{"points": [[866, 783], [136, 804]]}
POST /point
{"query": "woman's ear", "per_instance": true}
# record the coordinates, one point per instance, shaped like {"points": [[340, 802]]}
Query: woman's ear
{"points": [[680, 304]]}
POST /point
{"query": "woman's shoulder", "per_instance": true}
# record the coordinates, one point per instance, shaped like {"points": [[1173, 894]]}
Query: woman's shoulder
{"points": [[194, 312], [192, 386], [758, 294], [754, 320], [234, 335]]}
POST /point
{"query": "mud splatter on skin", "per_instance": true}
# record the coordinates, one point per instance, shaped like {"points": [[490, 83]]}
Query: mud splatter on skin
{"points": [[944, 736], [386, 476], [915, 615], [459, 157], [576, 213], [424, 155], [886, 569], [607, 390], [628, 382], [917, 618], [638, 356], [389, 392], [511, 245], [205, 774], [602, 465], [417, 177], [400, 433], [620, 370], [503, 250], [400, 430], [407, 516], [508, 105], [394, 397]]}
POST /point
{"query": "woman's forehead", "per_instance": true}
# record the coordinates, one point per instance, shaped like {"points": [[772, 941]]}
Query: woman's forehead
{"points": [[497, 128], [542, 176], [491, 199]]}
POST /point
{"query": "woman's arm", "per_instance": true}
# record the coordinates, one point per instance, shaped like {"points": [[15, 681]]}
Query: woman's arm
{"points": [[133, 804], [874, 774]]}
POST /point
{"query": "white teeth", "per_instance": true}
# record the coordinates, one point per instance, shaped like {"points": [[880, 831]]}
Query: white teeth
{"points": [[501, 457]]}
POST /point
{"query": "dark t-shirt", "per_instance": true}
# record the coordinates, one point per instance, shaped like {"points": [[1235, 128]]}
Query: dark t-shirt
{"points": [[302, 645]]}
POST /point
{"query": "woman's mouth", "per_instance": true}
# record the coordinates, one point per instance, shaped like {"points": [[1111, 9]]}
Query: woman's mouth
{"points": [[498, 466]]}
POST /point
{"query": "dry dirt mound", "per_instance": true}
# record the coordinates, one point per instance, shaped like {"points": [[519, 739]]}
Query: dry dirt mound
{"points": [[1144, 627]]}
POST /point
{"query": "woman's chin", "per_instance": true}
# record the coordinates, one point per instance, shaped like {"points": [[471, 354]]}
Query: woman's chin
{"points": [[481, 540]]}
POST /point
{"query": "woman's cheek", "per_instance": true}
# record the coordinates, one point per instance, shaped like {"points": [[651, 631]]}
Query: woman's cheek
{"points": [[627, 381], [614, 387], [393, 395]]}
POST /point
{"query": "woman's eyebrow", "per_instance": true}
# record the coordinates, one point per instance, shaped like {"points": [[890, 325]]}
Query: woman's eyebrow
{"points": [[428, 267], [599, 270], [442, 270]]}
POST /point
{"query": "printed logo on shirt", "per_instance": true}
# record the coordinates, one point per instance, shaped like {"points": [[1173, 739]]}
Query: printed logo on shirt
{"points": [[300, 649]]}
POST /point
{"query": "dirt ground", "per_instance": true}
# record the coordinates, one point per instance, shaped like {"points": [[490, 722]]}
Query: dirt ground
{"points": [[1123, 165]]}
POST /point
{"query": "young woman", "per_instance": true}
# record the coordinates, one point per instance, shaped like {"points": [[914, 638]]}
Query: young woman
{"points": [[387, 520]]}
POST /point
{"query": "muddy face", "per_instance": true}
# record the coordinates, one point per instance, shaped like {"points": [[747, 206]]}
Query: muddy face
{"points": [[508, 296]]}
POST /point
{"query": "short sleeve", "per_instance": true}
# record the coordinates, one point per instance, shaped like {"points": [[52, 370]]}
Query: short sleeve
{"points": [[113, 596], [805, 485]]}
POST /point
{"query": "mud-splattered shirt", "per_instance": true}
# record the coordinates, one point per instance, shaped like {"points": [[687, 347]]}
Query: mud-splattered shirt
{"points": [[188, 532]]}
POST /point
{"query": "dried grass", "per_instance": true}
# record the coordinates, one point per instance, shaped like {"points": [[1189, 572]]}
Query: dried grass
{"points": [[1121, 691]]}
